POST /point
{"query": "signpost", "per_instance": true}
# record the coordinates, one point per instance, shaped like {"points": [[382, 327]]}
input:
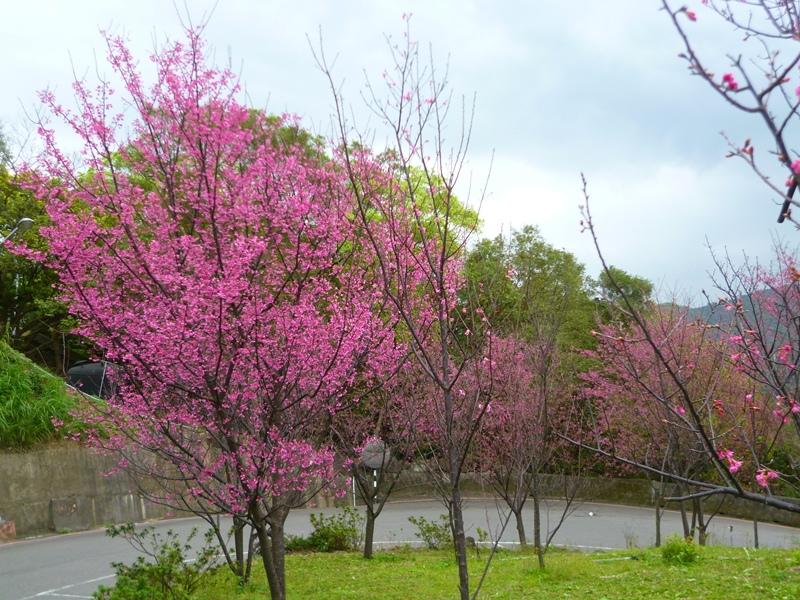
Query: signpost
{"points": [[375, 456]]}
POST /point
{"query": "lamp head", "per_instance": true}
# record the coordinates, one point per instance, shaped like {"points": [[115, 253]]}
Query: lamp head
{"points": [[24, 224]]}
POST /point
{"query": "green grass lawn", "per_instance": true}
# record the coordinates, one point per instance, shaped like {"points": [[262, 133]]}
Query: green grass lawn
{"points": [[720, 572]]}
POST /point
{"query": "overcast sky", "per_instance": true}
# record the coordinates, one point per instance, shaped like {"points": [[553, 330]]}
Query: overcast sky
{"points": [[562, 89]]}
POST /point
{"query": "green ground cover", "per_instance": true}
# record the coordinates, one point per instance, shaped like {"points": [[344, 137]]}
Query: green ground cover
{"points": [[402, 574]]}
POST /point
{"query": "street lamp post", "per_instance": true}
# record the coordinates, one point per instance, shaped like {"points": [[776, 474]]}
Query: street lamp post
{"points": [[7, 529], [21, 227]]}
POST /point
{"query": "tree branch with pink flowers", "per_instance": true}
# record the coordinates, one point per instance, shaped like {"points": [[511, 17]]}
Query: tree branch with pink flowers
{"points": [[408, 210], [761, 81]]}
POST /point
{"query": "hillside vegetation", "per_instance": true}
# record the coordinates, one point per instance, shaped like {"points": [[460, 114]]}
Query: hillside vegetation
{"points": [[31, 399]]}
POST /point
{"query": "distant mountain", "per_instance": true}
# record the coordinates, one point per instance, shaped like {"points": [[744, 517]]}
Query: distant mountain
{"points": [[715, 314]]}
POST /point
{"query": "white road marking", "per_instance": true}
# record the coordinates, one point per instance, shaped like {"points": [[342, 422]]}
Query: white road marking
{"points": [[55, 592]]}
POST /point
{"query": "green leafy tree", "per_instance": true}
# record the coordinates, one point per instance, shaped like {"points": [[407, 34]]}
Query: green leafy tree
{"points": [[637, 290], [32, 318], [5, 150], [539, 304], [524, 282]]}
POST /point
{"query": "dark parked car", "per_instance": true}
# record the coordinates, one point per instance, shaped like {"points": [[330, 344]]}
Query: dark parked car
{"points": [[91, 378]]}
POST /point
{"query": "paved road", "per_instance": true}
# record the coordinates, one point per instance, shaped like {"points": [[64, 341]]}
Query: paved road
{"points": [[74, 565]]}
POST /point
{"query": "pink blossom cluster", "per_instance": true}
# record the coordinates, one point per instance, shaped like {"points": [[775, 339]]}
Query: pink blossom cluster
{"points": [[764, 476], [733, 464], [729, 82]]}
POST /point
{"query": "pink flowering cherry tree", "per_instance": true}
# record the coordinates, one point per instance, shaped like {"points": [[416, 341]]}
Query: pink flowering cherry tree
{"points": [[219, 269], [688, 377], [516, 443], [643, 416], [762, 306], [408, 209]]}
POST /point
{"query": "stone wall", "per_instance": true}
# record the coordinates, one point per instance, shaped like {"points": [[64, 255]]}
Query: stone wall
{"points": [[640, 492]]}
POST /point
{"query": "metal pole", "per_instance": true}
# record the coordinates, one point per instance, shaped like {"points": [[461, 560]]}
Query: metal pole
{"points": [[22, 226]]}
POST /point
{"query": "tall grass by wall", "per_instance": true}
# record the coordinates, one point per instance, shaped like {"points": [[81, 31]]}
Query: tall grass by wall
{"points": [[30, 399]]}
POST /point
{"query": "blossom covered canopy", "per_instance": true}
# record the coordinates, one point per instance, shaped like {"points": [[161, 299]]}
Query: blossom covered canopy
{"points": [[215, 266]]}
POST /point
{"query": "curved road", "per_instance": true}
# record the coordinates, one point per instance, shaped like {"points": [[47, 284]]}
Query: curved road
{"points": [[74, 565]]}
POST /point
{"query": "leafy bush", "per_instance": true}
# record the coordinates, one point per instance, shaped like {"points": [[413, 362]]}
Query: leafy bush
{"points": [[30, 400], [335, 533], [169, 575], [435, 535], [298, 543], [680, 550]]}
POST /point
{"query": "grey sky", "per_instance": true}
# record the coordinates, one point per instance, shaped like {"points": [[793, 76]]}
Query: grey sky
{"points": [[562, 88]]}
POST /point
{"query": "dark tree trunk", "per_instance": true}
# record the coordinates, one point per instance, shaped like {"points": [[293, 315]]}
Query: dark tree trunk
{"points": [[238, 540], [756, 512], [277, 589], [523, 541], [659, 495], [520, 496], [454, 472], [701, 523], [685, 520], [276, 534], [658, 523], [537, 526], [459, 539], [58, 356], [273, 549], [369, 532], [251, 546]]}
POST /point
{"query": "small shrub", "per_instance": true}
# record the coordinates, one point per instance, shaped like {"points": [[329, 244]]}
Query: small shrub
{"points": [[298, 543], [335, 533], [483, 537], [433, 534], [680, 550], [169, 575], [631, 539]]}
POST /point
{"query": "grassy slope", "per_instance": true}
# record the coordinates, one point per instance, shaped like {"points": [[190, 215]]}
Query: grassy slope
{"points": [[30, 398]]}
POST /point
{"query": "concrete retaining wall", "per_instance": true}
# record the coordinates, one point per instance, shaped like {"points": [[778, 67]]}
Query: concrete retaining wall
{"points": [[63, 487], [639, 492], [631, 492]]}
